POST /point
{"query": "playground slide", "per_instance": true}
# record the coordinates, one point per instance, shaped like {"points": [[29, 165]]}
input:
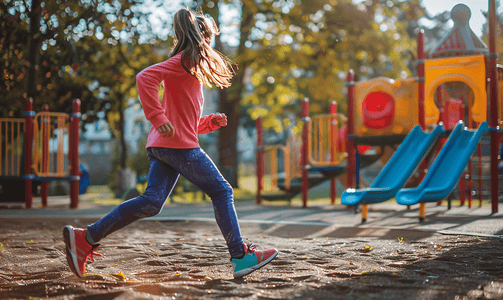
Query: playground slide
{"points": [[447, 168], [397, 171]]}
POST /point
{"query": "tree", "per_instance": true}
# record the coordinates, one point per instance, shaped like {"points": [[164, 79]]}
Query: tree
{"points": [[499, 30], [295, 49], [88, 49]]}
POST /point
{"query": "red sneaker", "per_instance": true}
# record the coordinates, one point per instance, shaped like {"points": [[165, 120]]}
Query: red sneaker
{"points": [[78, 250], [252, 260]]}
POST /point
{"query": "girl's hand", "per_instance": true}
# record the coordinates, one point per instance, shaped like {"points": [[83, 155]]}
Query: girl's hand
{"points": [[220, 120], [167, 130]]}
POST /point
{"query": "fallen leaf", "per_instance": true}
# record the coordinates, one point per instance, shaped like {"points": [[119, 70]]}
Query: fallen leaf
{"points": [[120, 276], [366, 249]]}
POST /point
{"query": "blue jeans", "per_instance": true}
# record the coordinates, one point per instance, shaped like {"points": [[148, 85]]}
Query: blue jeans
{"points": [[166, 165]]}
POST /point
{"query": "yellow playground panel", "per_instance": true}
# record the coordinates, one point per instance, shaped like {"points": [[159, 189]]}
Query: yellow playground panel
{"points": [[291, 162], [386, 107], [467, 69], [49, 130], [323, 139]]}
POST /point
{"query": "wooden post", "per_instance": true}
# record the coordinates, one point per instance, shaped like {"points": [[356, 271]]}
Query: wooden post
{"points": [[305, 150], [333, 147], [260, 160], [28, 141], [492, 59], [74, 148]]}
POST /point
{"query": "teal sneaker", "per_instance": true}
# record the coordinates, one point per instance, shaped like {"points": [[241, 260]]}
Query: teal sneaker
{"points": [[252, 260]]}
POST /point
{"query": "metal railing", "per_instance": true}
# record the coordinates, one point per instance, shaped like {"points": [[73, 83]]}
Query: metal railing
{"points": [[11, 146], [291, 162], [49, 130], [323, 140]]}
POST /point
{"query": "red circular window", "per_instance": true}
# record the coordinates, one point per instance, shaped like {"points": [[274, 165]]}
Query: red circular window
{"points": [[378, 110]]}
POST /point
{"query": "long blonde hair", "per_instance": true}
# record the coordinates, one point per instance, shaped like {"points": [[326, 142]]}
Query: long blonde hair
{"points": [[193, 33]]}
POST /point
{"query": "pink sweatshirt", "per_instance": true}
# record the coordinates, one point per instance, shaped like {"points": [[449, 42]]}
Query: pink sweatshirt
{"points": [[182, 104]]}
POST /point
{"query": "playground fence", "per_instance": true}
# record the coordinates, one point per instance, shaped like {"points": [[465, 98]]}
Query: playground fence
{"points": [[33, 149], [11, 146], [323, 139], [49, 130]]}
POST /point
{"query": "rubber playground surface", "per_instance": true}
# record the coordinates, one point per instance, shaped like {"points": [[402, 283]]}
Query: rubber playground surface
{"points": [[325, 253]]}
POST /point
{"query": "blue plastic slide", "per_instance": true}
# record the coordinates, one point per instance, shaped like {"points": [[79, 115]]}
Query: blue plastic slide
{"points": [[397, 171], [446, 169]]}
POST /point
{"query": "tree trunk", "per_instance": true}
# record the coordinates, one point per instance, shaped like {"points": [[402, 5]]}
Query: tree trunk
{"points": [[122, 140], [230, 104], [228, 153], [34, 54]]}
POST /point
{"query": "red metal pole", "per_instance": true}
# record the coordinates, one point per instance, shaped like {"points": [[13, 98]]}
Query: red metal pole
{"points": [[462, 189], [470, 184], [492, 58], [28, 141], [305, 149], [333, 133], [260, 160], [440, 120], [74, 149], [45, 154], [420, 83], [470, 165], [420, 77], [350, 146], [479, 154]]}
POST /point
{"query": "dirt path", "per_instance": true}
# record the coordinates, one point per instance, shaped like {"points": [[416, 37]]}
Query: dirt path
{"points": [[188, 260]]}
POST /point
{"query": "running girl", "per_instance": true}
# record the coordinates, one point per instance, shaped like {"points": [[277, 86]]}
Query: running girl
{"points": [[173, 146]]}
